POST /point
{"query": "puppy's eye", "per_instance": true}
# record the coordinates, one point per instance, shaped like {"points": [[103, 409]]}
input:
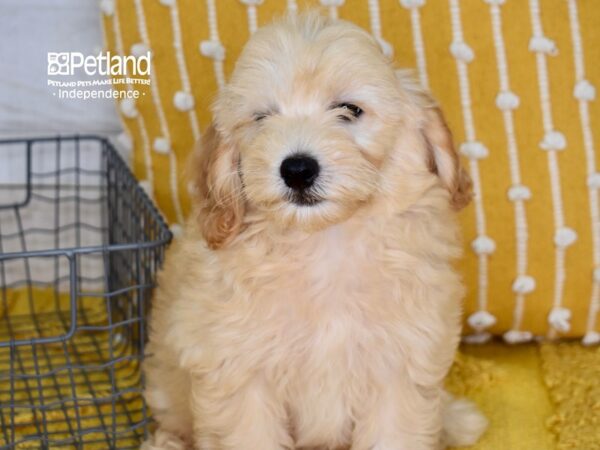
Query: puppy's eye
{"points": [[260, 116], [352, 111]]}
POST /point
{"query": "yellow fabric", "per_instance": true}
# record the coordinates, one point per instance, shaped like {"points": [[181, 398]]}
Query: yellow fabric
{"points": [[542, 397], [396, 28], [572, 375], [507, 385]]}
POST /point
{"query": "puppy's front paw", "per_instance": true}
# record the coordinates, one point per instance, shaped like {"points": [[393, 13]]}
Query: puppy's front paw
{"points": [[163, 440]]}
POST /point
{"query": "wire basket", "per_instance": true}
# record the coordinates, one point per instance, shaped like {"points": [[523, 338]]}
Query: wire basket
{"points": [[80, 244]]}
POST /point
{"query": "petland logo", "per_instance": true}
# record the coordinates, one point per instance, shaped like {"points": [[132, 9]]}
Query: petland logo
{"points": [[107, 70], [67, 63]]}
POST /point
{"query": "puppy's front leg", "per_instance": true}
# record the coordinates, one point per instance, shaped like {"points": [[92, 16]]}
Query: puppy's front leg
{"points": [[404, 416], [230, 417]]}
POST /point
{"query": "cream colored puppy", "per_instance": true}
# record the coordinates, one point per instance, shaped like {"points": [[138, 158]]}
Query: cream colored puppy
{"points": [[311, 302]]}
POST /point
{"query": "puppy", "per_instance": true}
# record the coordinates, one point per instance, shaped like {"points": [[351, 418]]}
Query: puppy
{"points": [[311, 302]]}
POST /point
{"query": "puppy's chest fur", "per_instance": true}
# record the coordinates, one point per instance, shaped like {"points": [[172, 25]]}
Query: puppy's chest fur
{"points": [[327, 301]]}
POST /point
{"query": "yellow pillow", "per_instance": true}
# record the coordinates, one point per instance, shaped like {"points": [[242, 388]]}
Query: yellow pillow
{"points": [[516, 81]]}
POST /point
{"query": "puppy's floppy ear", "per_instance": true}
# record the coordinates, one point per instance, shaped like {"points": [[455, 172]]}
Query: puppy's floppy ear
{"points": [[219, 194], [443, 160]]}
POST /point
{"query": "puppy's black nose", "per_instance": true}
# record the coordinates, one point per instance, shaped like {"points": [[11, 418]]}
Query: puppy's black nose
{"points": [[299, 171]]}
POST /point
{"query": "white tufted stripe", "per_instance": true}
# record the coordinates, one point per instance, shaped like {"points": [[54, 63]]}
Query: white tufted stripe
{"points": [[565, 237], [141, 123], [483, 245], [417, 35], [519, 193], [412, 3], [481, 320], [477, 338], [542, 44], [292, 6], [553, 140], [507, 100], [212, 47], [128, 108], [164, 127], [375, 19], [591, 338], [107, 7], [476, 152], [523, 284], [162, 145], [460, 50], [183, 101], [186, 99], [517, 337], [560, 319], [585, 92], [147, 187], [139, 49]]}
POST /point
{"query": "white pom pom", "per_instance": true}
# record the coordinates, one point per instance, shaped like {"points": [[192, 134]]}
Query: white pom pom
{"points": [[176, 229], [147, 187], [564, 237], [517, 337], [332, 2], [523, 284], [591, 338], [139, 49], [167, 2], [483, 245], [125, 140], [474, 150], [593, 180], [519, 192], [477, 338], [128, 108], [386, 47], [584, 90], [481, 320], [597, 274], [212, 49], [462, 52], [183, 101], [543, 44], [162, 145], [553, 140], [192, 188], [507, 100], [559, 319], [107, 7], [412, 3]]}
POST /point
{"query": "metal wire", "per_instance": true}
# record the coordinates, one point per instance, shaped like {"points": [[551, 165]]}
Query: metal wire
{"points": [[80, 244]]}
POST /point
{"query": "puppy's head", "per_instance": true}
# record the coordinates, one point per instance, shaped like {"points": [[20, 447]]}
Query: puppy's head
{"points": [[309, 129]]}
